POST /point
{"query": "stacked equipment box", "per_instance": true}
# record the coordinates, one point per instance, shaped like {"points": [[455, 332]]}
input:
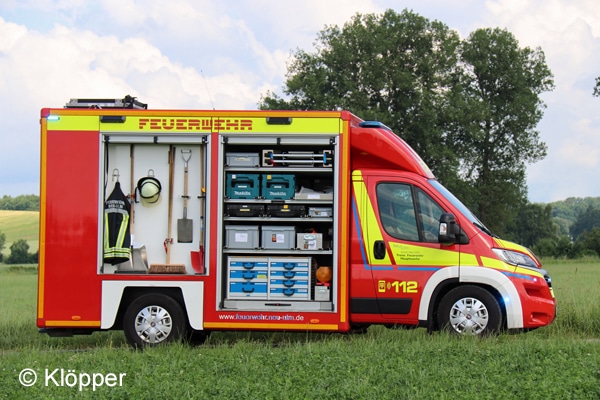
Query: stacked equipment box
{"points": [[242, 186], [278, 186]]}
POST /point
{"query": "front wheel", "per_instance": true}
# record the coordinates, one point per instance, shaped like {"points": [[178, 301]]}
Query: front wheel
{"points": [[153, 319], [471, 311]]}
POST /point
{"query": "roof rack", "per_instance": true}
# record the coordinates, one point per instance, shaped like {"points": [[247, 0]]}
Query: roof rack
{"points": [[127, 102]]}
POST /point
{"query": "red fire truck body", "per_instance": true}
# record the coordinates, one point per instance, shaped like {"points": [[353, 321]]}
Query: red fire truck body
{"points": [[262, 220]]}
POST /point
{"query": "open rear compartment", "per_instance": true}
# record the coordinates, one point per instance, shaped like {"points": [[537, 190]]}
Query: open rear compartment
{"points": [[163, 178], [278, 235]]}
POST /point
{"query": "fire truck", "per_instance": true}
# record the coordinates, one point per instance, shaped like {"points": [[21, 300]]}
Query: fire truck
{"points": [[169, 224]]}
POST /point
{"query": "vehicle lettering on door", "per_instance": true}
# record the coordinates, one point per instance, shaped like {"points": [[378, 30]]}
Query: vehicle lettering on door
{"points": [[397, 286]]}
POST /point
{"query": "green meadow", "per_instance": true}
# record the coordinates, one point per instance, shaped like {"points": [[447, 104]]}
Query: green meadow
{"points": [[561, 361]]}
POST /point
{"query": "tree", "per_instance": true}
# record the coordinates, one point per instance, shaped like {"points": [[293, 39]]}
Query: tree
{"points": [[394, 68], [27, 202], [591, 240], [533, 224], [545, 248], [597, 87], [19, 252], [468, 108], [500, 89], [586, 220]]}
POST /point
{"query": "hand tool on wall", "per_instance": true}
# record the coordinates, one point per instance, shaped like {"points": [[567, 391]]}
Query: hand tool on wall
{"points": [[168, 267], [185, 226]]}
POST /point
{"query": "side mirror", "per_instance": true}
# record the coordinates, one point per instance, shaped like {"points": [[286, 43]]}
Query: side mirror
{"points": [[448, 230]]}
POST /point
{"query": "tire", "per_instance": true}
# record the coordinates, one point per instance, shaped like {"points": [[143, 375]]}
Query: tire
{"points": [[153, 319], [470, 311]]}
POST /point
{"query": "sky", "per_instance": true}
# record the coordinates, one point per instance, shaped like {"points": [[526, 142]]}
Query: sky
{"points": [[208, 54]]}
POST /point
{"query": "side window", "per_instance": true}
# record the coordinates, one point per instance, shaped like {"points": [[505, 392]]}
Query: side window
{"points": [[429, 216], [397, 210], [408, 213]]}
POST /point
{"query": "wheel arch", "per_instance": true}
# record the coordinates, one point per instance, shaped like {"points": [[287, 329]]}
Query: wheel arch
{"points": [[497, 283], [117, 295]]}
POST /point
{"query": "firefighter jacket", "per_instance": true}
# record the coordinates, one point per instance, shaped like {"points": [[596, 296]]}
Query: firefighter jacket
{"points": [[117, 237]]}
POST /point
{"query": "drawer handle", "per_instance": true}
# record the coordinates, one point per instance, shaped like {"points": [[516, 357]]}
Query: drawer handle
{"points": [[248, 289], [289, 283], [248, 275], [288, 292], [289, 274]]}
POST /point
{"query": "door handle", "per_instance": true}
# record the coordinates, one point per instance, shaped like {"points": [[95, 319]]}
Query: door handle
{"points": [[379, 250]]}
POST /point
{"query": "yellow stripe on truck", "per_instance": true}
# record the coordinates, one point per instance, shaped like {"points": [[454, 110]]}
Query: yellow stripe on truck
{"points": [[72, 123], [369, 225], [222, 124], [407, 254]]}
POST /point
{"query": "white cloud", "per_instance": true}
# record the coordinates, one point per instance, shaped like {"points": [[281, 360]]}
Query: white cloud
{"points": [[569, 34], [46, 70]]}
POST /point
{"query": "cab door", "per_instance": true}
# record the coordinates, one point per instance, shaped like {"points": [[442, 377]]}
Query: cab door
{"points": [[400, 222]]}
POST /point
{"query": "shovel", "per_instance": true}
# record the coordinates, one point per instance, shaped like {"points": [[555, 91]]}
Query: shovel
{"points": [[185, 228], [138, 261]]}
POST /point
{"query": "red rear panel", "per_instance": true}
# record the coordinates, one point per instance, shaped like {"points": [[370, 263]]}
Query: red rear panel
{"points": [[69, 283]]}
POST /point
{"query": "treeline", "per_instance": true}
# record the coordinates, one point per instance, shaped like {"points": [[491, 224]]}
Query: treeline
{"points": [[562, 229], [19, 252], [565, 212], [26, 202]]}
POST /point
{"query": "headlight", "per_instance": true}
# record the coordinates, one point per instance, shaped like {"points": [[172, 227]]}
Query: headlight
{"points": [[515, 258]]}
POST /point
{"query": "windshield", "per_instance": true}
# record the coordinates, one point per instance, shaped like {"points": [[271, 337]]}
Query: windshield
{"points": [[460, 206]]}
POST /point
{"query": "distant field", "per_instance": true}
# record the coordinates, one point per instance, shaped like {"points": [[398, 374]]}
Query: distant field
{"points": [[20, 225]]}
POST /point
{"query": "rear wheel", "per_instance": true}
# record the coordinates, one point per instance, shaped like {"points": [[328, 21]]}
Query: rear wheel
{"points": [[471, 311], [153, 319]]}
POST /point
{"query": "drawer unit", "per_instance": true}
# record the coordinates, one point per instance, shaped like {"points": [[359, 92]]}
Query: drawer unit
{"points": [[288, 283], [248, 263], [247, 277], [289, 278], [290, 293], [248, 269], [278, 186], [296, 264], [241, 236], [242, 159], [242, 186], [299, 273], [278, 237], [263, 278], [247, 289]]}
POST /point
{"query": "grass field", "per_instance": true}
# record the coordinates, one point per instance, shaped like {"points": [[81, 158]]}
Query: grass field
{"points": [[561, 361], [20, 225]]}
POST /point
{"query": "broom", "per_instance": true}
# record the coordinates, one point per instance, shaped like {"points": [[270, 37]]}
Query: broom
{"points": [[169, 268]]}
